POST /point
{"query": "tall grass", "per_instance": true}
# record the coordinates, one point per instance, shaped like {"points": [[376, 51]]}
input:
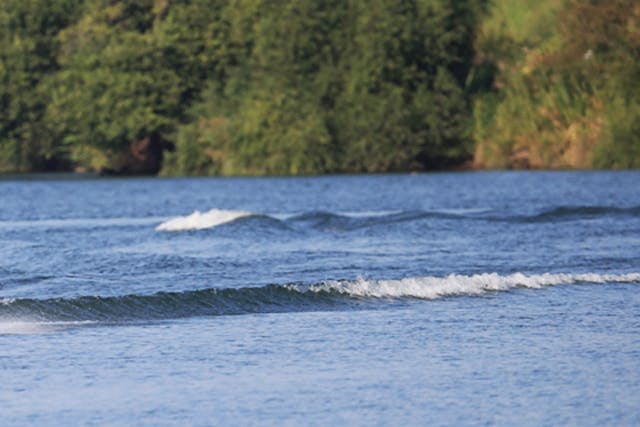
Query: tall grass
{"points": [[566, 92]]}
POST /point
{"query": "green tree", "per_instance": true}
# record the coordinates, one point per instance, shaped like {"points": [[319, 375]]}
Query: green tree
{"points": [[114, 99], [336, 86], [28, 49]]}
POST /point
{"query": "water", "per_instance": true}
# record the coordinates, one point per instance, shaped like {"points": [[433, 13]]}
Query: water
{"points": [[438, 299]]}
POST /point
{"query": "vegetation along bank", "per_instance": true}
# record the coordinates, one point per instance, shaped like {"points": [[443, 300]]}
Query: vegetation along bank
{"points": [[230, 87]]}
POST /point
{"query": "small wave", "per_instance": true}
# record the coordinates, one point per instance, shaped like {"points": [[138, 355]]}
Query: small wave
{"points": [[163, 305], [328, 295], [199, 221], [368, 214], [349, 220], [568, 213]]}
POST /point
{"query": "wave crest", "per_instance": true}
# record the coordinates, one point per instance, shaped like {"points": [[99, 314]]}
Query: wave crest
{"points": [[455, 284], [199, 221]]}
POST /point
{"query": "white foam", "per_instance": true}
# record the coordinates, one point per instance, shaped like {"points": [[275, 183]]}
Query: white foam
{"points": [[454, 284], [199, 220]]}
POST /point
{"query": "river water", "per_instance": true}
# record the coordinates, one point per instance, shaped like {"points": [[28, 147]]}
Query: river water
{"points": [[507, 298]]}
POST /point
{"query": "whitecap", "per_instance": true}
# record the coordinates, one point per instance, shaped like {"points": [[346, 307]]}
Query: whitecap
{"points": [[431, 287], [199, 220]]}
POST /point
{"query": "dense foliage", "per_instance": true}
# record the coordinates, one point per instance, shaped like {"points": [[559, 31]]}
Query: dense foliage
{"points": [[28, 55], [567, 94], [306, 86]]}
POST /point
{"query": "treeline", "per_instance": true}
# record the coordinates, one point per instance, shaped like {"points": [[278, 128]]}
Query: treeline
{"points": [[317, 86]]}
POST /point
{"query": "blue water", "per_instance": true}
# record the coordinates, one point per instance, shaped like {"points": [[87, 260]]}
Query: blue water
{"points": [[506, 298]]}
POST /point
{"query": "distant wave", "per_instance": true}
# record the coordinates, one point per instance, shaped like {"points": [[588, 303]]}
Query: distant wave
{"points": [[354, 220], [315, 219], [329, 295], [198, 220]]}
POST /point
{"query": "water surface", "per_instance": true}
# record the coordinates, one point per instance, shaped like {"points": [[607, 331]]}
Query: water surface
{"points": [[434, 299]]}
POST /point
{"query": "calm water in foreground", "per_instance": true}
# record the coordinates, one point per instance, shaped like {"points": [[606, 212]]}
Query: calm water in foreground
{"points": [[438, 299]]}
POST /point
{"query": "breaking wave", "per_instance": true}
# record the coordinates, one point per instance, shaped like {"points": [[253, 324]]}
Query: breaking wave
{"points": [[328, 295], [454, 284], [199, 220]]}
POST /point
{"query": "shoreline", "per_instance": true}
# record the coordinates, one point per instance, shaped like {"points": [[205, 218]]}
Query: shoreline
{"points": [[71, 176]]}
